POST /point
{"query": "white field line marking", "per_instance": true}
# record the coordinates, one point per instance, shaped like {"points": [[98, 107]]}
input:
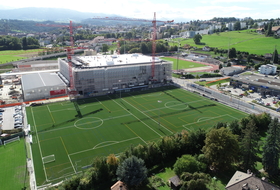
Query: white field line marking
{"points": [[116, 142], [137, 118], [147, 116], [72, 164], [210, 118], [81, 107], [172, 106], [143, 96], [84, 118], [40, 150]]}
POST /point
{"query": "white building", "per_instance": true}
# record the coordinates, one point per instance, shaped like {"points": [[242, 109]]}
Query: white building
{"points": [[243, 25], [267, 69], [100, 75], [38, 86]]}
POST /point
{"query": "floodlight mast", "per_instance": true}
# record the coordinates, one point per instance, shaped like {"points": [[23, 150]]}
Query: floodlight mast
{"points": [[154, 22]]}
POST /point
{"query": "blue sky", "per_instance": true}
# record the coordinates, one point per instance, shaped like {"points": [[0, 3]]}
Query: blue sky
{"points": [[178, 10]]}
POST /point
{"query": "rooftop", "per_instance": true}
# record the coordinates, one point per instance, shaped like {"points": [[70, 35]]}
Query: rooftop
{"points": [[112, 60], [37, 80], [266, 82]]}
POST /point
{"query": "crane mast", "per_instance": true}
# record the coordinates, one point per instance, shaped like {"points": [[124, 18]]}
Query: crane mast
{"points": [[154, 37]]}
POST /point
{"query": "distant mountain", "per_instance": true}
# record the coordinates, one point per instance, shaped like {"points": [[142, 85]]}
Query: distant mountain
{"points": [[43, 14]]}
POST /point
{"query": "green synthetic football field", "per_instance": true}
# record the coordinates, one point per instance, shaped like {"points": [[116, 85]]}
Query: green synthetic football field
{"points": [[72, 134], [13, 173]]}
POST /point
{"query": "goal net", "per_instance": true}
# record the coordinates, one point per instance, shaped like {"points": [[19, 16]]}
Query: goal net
{"points": [[12, 140], [48, 159]]}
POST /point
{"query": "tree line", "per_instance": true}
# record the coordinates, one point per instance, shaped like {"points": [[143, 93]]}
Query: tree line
{"points": [[14, 43], [198, 153]]}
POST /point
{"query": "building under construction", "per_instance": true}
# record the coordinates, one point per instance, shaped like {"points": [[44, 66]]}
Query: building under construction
{"points": [[105, 74]]}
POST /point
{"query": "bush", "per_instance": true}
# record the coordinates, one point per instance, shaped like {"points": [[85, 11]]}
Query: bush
{"points": [[187, 163]]}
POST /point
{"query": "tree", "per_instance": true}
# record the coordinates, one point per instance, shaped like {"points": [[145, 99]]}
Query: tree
{"points": [[194, 181], [275, 56], [237, 25], [221, 148], [187, 163], [24, 43], [197, 38], [232, 53], [105, 47], [132, 171], [269, 30], [249, 146], [271, 148], [220, 66]]}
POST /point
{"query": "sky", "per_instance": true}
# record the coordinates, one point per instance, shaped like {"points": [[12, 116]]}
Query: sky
{"points": [[177, 10]]}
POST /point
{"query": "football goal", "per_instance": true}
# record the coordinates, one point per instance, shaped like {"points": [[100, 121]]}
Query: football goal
{"points": [[48, 159], [11, 140]]}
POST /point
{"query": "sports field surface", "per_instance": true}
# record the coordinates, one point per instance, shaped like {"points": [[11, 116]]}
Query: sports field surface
{"points": [[13, 173], [69, 135], [182, 64]]}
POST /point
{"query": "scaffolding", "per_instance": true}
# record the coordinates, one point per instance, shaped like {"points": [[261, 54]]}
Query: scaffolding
{"points": [[101, 78]]}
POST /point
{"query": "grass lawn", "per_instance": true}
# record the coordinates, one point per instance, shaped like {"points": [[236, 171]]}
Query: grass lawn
{"points": [[9, 55], [241, 40], [182, 64], [76, 132], [13, 171]]}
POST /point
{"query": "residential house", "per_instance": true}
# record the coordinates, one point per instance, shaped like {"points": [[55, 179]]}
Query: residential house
{"points": [[175, 182], [276, 30], [247, 181], [260, 30], [206, 48], [119, 186]]}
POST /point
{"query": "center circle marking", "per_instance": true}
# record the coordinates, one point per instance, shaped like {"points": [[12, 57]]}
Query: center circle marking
{"points": [[88, 123]]}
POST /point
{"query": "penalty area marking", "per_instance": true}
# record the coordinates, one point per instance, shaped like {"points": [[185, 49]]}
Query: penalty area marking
{"points": [[143, 96], [204, 119], [87, 123]]}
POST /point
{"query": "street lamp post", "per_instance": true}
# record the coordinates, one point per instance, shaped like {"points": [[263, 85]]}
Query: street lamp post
{"points": [[159, 114], [120, 88]]}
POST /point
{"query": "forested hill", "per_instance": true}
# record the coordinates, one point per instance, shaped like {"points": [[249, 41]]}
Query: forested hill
{"points": [[43, 14]]}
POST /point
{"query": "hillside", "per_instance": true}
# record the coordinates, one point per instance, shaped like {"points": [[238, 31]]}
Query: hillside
{"points": [[245, 40]]}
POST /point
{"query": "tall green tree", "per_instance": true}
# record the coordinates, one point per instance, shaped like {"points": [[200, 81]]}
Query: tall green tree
{"points": [[24, 43], [249, 146], [275, 56], [197, 38], [269, 30], [232, 53], [132, 171], [221, 148], [271, 148], [105, 47], [237, 25]]}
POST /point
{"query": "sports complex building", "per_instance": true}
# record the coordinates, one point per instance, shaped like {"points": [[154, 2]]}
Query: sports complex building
{"points": [[37, 86], [106, 74]]}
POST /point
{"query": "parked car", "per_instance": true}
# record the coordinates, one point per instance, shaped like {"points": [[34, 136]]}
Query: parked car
{"points": [[18, 126], [2, 110], [267, 104]]}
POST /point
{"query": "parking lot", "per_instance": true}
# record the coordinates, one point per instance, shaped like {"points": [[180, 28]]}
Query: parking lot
{"points": [[268, 101], [12, 117]]}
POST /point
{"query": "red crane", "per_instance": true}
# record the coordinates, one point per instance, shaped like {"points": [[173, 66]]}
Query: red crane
{"points": [[70, 52], [154, 21]]}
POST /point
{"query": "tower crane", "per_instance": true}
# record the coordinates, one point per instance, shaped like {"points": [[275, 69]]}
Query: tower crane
{"points": [[70, 52], [154, 21]]}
